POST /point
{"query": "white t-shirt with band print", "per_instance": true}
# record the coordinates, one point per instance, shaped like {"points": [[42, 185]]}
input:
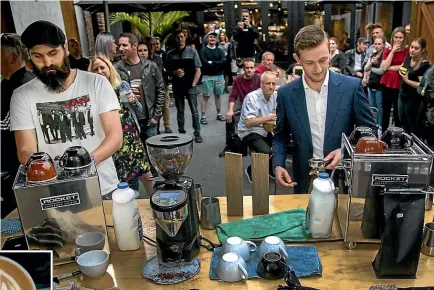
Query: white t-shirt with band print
{"points": [[69, 118]]}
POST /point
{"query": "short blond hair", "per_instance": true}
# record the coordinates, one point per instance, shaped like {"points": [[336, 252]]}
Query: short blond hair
{"points": [[114, 79], [309, 37]]}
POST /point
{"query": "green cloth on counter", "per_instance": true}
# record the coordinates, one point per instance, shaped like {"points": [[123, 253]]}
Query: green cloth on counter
{"points": [[288, 225]]}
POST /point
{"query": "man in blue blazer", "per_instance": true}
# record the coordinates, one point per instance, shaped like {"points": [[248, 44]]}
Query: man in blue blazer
{"points": [[316, 109]]}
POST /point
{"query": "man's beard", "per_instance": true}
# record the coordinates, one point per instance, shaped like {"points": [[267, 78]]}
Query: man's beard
{"points": [[55, 81]]}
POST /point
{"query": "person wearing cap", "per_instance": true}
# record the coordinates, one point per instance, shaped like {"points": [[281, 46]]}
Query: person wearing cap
{"points": [[13, 71], [76, 60], [356, 57], [58, 87], [213, 65]]}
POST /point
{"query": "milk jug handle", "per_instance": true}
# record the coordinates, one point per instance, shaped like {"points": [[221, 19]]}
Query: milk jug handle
{"points": [[283, 252]]}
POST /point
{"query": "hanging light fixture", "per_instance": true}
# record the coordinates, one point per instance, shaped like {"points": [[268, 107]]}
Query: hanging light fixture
{"points": [[271, 4], [256, 10], [235, 6]]}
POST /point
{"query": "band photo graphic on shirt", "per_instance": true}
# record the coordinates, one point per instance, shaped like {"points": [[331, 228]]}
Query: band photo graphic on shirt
{"points": [[66, 120]]}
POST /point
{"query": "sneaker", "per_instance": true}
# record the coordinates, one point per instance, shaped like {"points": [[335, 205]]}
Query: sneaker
{"points": [[248, 173], [182, 131], [221, 118], [168, 130], [203, 121], [197, 138]]}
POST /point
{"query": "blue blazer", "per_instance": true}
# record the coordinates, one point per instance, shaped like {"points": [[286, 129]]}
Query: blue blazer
{"points": [[347, 106]]}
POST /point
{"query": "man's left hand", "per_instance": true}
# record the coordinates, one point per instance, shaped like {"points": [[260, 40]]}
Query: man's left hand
{"points": [[153, 121], [334, 157]]}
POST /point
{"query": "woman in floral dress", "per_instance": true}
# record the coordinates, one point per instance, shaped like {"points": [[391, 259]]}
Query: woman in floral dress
{"points": [[130, 160]]}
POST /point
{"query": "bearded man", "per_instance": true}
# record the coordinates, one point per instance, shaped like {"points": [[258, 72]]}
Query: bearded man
{"points": [[57, 87]]}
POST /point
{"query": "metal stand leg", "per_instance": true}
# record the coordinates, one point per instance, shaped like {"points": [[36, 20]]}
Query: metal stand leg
{"points": [[351, 245]]}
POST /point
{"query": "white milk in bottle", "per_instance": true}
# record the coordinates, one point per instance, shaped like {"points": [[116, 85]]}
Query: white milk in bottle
{"points": [[320, 212], [126, 218]]}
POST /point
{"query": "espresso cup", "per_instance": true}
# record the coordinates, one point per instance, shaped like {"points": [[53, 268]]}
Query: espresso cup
{"points": [[231, 268], [369, 145], [273, 244], [239, 246], [272, 266], [14, 276], [93, 264], [89, 242]]}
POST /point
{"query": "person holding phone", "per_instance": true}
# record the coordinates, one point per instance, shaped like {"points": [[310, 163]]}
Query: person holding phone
{"points": [[245, 34], [391, 80], [415, 65]]}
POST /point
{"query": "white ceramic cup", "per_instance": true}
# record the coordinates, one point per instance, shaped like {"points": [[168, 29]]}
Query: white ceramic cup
{"points": [[239, 246], [272, 244], [231, 268], [89, 241], [93, 264]]}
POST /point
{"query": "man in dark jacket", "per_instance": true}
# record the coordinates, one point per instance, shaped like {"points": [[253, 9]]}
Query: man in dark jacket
{"points": [[183, 64], [356, 57], [213, 82], [78, 121], [245, 35], [147, 83], [13, 58]]}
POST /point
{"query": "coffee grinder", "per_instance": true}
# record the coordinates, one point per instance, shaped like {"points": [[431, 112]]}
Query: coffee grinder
{"points": [[173, 202]]}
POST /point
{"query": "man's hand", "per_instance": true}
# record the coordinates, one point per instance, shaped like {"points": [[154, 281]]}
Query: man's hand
{"points": [[335, 69], [136, 92], [359, 74], [132, 98], [282, 177], [241, 25], [180, 72], [334, 157], [272, 117], [229, 115], [153, 121]]}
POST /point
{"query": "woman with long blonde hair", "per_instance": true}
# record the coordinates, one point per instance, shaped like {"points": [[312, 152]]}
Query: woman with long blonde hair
{"points": [[131, 160]]}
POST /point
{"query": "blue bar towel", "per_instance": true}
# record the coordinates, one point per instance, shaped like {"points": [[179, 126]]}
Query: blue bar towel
{"points": [[303, 260]]}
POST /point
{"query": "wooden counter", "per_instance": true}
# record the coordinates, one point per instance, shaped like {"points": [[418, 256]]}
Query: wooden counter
{"points": [[342, 269]]}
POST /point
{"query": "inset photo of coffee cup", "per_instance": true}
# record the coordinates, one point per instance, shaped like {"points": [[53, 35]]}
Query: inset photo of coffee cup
{"points": [[30, 270]]}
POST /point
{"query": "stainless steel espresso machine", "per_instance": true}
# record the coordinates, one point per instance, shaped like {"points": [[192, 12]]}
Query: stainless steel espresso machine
{"points": [[58, 204], [368, 178], [173, 203]]}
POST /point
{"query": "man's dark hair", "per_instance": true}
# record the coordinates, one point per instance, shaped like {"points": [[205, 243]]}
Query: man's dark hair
{"points": [[131, 37], [149, 39], [244, 11], [178, 31], [309, 37], [13, 40], [248, 59]]}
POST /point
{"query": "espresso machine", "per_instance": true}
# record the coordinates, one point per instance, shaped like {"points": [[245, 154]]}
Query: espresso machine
{"points": [[173, 202], [57, 204], [369, 179]]}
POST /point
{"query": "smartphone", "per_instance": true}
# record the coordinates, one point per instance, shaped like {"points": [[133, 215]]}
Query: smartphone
{"points": [[298, 70]]}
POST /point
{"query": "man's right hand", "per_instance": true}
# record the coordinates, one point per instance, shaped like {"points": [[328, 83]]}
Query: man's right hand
{"points": [[241, 25], [180, 72], [229, 115], [136, 92], [272, 117], [282, 177]]}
